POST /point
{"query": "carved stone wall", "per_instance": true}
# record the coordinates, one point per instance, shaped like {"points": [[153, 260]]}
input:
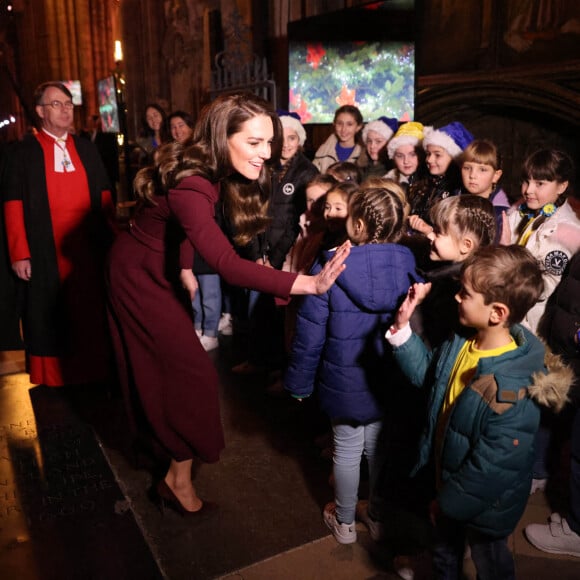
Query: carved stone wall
{"points": [[59, 40], [509, 69]]}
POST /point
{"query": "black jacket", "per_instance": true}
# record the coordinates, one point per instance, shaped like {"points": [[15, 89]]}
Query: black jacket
{"points": [[287, 203], [561, 321]]}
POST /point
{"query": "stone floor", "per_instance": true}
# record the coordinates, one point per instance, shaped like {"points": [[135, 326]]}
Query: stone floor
{"points": [[73, 504]]}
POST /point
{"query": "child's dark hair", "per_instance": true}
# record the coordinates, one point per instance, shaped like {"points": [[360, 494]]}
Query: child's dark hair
{"points": [[337, 236], [547, 165], [322, 180], [507, 274], [354, 112], [382, 210], [351, 110], [345, 171], [346, 189], [465, 214], [482, 151]]}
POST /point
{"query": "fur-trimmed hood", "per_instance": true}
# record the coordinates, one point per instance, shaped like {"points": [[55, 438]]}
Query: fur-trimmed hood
{"points": [[551, 389]]}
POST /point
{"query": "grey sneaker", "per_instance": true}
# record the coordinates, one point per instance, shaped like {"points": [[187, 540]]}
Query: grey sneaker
{"points": [[343, 533], [362, 515], [556, 537]]}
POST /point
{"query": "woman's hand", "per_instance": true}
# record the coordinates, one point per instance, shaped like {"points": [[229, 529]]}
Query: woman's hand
{"points": [[332, 269], [189, 282], [322, 282]]}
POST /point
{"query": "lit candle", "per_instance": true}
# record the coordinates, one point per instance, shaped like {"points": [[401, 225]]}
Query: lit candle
{"points": [[118, 51]]}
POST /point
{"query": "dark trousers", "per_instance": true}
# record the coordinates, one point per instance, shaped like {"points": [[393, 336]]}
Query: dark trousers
{"points": [[574, 515], [492, 557]]}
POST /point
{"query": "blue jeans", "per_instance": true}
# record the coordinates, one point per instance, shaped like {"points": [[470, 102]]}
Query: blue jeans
{"points": [[207, 304], [350, 442], [491, 556]]}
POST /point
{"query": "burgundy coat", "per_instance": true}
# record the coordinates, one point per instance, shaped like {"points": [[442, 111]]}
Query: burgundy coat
{"points": [[160, 357]]}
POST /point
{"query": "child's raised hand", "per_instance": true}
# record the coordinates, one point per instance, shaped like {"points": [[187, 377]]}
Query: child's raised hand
{"points": [[420, 225], [416, 294], [506, 234]]}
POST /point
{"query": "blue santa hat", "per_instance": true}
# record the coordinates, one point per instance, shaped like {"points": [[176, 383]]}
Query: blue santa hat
{"points": [[384, 126], [454, 138]]}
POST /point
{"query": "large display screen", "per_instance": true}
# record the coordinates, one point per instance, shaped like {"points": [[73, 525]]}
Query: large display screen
{"points": [[75, 89], [376, 76], [108, 105]]}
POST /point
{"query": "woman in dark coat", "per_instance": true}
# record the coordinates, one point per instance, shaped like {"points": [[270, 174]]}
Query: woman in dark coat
{"points": [[161, 360]]}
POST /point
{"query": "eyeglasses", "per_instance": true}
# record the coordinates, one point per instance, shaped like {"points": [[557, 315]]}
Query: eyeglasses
{"points": [[57, 105]]}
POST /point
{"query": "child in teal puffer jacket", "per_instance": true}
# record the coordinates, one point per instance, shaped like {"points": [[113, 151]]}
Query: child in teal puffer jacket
{"points": [[483, 409]]}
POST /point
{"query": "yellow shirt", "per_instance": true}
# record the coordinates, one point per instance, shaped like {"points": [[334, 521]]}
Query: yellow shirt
{"points": [[461, 375]]}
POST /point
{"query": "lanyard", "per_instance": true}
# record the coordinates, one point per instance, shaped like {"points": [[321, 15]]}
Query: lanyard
{"points": [[65, 162]]}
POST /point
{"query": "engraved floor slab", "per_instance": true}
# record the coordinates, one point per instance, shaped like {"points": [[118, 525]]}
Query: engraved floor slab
{"points": [[62, 513]]}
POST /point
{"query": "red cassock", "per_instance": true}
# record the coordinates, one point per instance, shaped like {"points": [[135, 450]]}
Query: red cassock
{"points": [[165, 372], [60, 221]]}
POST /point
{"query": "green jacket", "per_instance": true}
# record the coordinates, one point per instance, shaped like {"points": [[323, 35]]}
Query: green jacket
{"points": [[488, 445]]}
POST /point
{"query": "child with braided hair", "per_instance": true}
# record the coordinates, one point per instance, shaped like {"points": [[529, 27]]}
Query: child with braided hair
{"points": [[338, 343], [461, 225]]}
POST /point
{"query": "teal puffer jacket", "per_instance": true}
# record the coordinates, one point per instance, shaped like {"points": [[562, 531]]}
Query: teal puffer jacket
{"points": [[488, 445]]}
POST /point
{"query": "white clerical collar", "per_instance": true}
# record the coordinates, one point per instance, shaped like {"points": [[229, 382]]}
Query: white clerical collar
{"points": [[62, 161], [62, 138]]}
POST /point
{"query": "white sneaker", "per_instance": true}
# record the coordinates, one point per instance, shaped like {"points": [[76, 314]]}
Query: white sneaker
{"points": [[343, 533], [225, 325], [556, 537], [375, 527], [538, 485], [209, 342]]}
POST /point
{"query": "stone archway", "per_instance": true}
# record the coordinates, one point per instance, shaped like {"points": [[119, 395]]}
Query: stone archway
{"points": [[519, 114]]}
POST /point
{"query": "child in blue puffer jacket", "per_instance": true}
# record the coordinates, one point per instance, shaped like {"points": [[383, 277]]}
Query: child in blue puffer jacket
{"points": [[338, 342]]}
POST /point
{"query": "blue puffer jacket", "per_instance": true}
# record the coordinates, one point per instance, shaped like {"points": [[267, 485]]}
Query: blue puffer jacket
{"points": [[488, 447], [339, 335]]}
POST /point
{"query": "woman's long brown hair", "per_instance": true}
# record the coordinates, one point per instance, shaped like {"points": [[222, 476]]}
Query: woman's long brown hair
{"points": [[245, 202]]}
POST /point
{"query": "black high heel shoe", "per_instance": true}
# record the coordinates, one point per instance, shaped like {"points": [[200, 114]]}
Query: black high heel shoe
{"points": [[167, 498]]}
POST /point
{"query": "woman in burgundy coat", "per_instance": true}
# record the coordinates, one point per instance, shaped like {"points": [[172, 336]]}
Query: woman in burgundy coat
{"points": [[162, 363]]}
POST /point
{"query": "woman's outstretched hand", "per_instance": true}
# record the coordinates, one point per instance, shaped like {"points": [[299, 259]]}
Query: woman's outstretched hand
{"points": [[321, 282], [332, 269]]}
